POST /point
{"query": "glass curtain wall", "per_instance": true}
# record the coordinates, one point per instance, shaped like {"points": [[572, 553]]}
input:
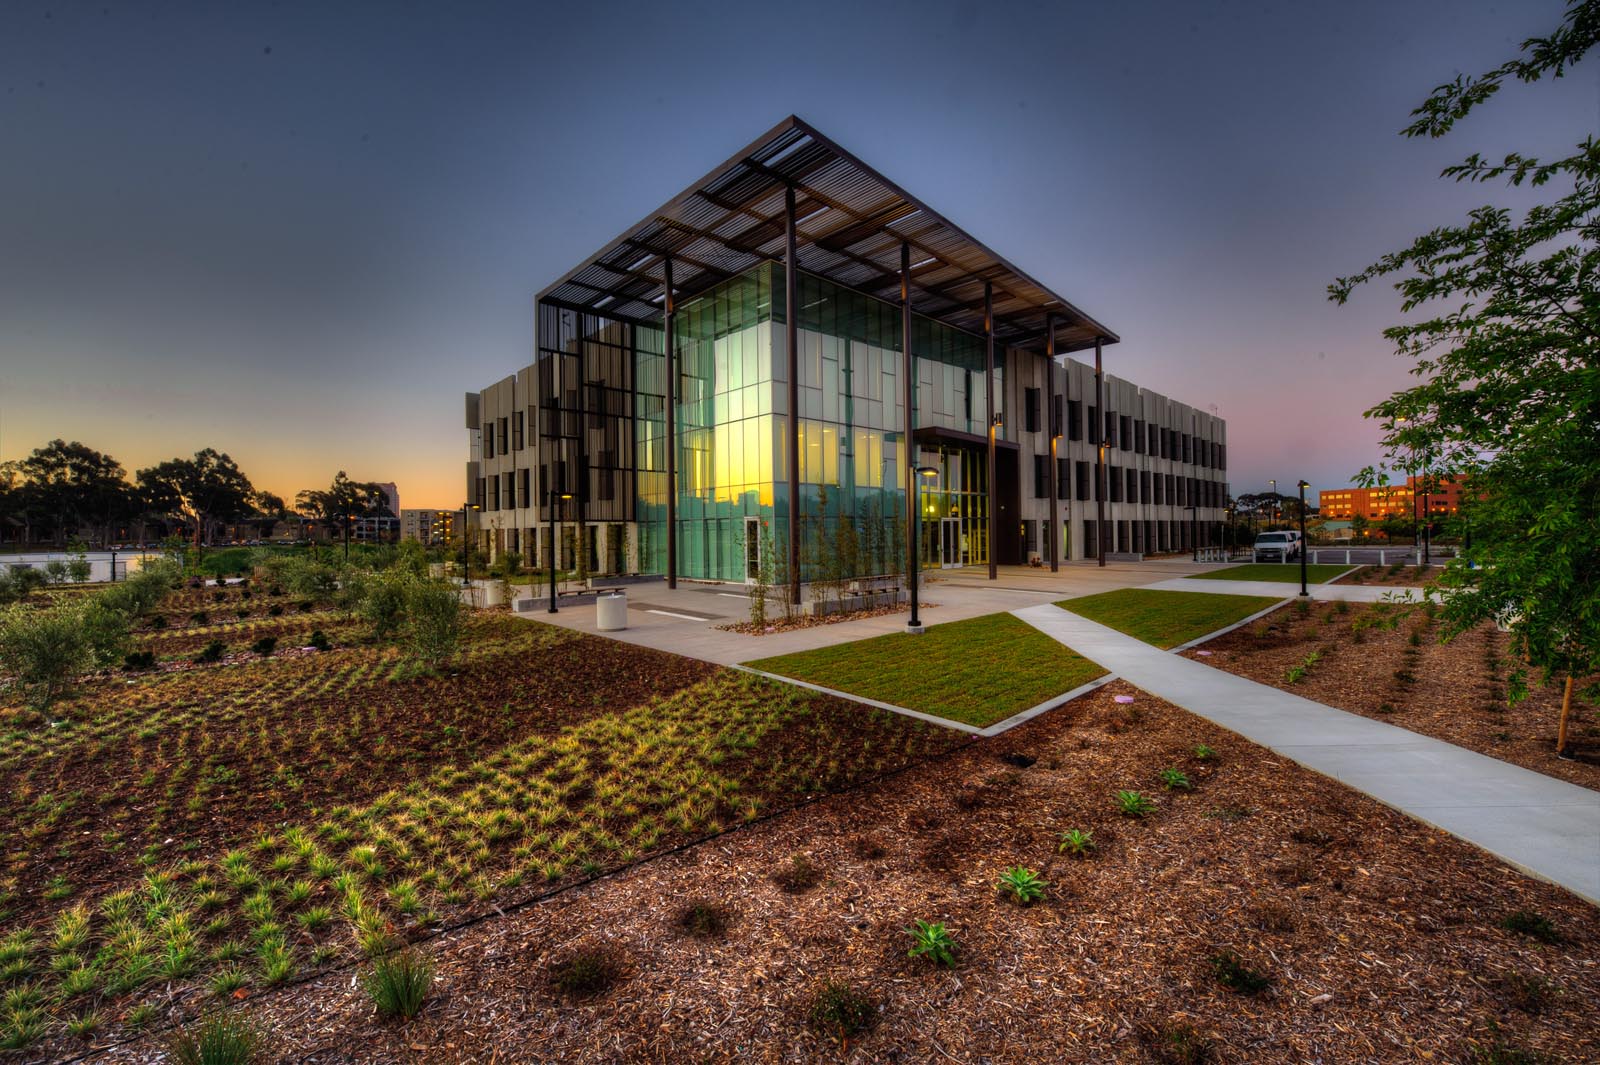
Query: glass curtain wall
{"points": [[733, 430]]}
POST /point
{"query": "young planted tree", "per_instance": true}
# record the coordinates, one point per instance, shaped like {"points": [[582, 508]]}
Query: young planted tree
{"points": [[1503, 330]]}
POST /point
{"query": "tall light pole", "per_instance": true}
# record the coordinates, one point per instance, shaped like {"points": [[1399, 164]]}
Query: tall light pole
{"points": [[1303, 486], [553, 501], [1274, 516], [466, 559], [914, 626]]}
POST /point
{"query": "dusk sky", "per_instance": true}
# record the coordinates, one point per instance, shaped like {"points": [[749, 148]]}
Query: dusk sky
{"points": [[299, 232]]}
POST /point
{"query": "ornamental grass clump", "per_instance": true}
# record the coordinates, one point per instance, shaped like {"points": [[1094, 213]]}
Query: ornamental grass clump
{"points": [[398, 983], [839, 1010], [219, 1039]]}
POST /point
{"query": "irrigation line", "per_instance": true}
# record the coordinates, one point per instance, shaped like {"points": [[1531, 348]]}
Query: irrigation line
{"points": [[495, 912]]}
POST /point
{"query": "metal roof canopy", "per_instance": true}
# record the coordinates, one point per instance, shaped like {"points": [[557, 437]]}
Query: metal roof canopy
{"points": [[850, 222]]}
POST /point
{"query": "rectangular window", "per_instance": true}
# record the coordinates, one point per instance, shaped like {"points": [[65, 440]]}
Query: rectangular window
{"points": [[1081, 471], [1113, 484], [1154, 446], [1030, 536], [1094, 425], [1111, 428], [1063, 479], [1030, 407], [1040, 464], [1091, 543], [1074, 419], [488, 442], [1125, 432], [1138, 436], [1133, 486], [1144, 486], [525, 494], [1188, 453], [516, 431], [1055, 418], [505, 435]]}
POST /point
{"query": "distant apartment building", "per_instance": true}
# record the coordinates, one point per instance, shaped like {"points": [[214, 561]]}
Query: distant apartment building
{"points": [[391, 492], [1409, 500], [430, 526]]}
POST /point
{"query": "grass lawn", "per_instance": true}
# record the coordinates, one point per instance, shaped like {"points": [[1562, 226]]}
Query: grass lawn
{"points": [[1166, 619], [977, 671], [1288, 572]]}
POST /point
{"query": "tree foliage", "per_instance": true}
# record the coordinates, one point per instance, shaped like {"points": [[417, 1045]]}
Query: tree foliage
{"points": [[1503, 319], [209, 487]]}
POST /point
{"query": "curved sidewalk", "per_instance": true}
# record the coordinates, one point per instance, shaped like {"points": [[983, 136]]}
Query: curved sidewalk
{"points": [[1538, 824]]}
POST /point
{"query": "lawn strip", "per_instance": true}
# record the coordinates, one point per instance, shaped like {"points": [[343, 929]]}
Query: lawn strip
{"points": [[976, 671], [1285, 572], [1165, 619]]}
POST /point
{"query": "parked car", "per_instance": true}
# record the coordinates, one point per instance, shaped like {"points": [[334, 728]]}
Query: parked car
{"points": [[1278, 547]]}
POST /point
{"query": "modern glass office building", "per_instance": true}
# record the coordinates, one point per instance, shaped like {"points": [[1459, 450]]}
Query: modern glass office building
{"points": [[691, 465]]}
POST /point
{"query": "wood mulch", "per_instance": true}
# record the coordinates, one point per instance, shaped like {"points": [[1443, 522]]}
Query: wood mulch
{"points": [[1381, 937], [1454, 692]]}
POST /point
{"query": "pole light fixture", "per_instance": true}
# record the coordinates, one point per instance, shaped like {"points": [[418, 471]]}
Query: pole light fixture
{"points": [[466, 559], [1303, 486], [555, 498], [914, 625]]}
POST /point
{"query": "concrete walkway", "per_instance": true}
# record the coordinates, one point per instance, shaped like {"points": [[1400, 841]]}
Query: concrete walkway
{"points": [[1538, 824]]}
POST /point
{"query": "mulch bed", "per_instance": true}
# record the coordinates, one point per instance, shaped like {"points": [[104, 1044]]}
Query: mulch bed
{"points": [[1381, 937], [1455, 692]]}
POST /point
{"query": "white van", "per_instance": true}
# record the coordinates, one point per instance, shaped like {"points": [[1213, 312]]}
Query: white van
{"points": [[1278, 547]]}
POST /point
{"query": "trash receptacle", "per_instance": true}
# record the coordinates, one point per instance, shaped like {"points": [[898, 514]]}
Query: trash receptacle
{"points": [[611, 611]]}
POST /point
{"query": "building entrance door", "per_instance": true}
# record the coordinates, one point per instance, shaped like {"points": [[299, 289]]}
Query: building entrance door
{"points": [[752, 550], [952, 541]]}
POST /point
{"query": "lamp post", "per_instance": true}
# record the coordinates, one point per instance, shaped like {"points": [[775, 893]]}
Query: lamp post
{"points": [[914, 626], [554, 498], [1274, 516], [996, 420], [1303, 486], [1055, 517], [466, 559]]}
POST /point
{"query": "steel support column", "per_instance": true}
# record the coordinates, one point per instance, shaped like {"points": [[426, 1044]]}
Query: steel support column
{"points": [[1100, 461], [1050, 414], [670, 321], [791, 316], [908, 377], [988, 336]]}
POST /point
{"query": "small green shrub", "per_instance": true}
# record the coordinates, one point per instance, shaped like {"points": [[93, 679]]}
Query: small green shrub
{"points": [[1232, 973], [200, 617], [398, 983], [219, 1039], [702, 919], [1532, 924], [212, 652], [1528, 992], [933, 941], [585, 973], [135, 661], [1202, 753], [798, 875], [265, 646], [1176, 780], [837, 1009], [275, 610], [1077, 842], [1134, 804], [1022, 885], [45, 651], [319, 640], [1177, 1043], [433, 621]]}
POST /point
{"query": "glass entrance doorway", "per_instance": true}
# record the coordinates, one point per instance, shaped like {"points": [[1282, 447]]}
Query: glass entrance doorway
{"points": [[953, 544]]}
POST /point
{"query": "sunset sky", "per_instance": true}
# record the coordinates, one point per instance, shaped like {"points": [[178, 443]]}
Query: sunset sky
{"points": [[299, 232]]}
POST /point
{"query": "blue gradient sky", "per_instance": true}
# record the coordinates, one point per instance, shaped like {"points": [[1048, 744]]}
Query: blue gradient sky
{"points": [[299, 232]]}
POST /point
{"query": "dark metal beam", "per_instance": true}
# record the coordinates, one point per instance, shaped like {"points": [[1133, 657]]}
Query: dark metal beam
{"points": [[913, 485], [1052, 474], [1100, 461], [988, 395], [669, 317], [791, 318]]}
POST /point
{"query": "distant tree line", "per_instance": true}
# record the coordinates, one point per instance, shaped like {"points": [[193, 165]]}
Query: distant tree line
{"points": [[69, 491]]}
